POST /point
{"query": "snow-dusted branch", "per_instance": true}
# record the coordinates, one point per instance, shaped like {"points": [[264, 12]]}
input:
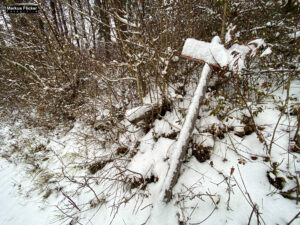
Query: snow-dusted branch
{"points": [[35, 75]]}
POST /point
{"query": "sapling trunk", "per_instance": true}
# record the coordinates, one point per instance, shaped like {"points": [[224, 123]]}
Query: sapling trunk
{"points": [[224, 21]]}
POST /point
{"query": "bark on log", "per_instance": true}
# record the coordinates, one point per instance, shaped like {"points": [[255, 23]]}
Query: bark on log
{"points": [[185, 134]]}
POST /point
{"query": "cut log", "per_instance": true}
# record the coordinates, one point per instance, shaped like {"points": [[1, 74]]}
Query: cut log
{"points": [[148, 112], [186, 132], [139, 113]]}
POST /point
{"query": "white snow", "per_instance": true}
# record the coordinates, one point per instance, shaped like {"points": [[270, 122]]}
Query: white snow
{"points": [[294, 35], [216, 54], [228, 35], [201, 189], [175, 58], [221, 190], [136, 112], [268, 51], [239, 53], [211, 53], [255, 45], [204, 139], [257, 42]]}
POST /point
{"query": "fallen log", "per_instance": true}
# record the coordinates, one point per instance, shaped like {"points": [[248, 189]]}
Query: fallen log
{"points": [[148, 112], [139, 113]]}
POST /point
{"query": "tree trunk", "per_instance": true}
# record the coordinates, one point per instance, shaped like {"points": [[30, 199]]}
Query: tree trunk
{"points": [[74, 24], [92, 25], [63, 20], [82, 20], [53, 12], [119, 9], [104, 29], [224, 22]]}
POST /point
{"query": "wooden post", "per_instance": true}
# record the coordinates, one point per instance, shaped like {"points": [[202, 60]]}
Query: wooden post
{"points": [[185, 134]]}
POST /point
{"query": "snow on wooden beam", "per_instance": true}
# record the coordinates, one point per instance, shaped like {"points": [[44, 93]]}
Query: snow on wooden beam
{"points": [[199, 60], [182, 144], [214, 53]]}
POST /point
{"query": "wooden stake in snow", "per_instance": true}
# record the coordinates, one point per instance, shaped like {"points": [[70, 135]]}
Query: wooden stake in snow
{"points": [[185, 134], [199, 51], [212, 54]]}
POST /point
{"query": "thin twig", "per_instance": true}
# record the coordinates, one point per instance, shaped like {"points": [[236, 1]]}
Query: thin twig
{"points": [[295, 217], [253, 210], [281, 114], [205, 218]]}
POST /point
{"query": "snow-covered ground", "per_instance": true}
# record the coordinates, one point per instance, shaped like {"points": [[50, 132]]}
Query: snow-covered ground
{"points": [[229, 187], [16, 208]]}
